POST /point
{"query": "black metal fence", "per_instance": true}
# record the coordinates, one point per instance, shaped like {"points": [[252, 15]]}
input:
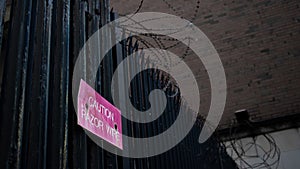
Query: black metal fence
{"points": [[39, 45]]}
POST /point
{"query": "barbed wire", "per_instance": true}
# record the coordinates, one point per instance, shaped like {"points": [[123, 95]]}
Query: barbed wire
{"points": [[266, 157], [192, 19]]}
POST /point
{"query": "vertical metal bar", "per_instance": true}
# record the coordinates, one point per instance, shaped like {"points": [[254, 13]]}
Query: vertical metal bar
{"points": [[104, 75], [170, 121], [143, 94], [2, 19], [133, 95], [147, 88], [153, 125], [57, 147], [155, 79], [107, 77], [174, 110], [14, 87], [128, 100], [92, 25], [78, 138], [163, 117], [139, 103], [120, 84], [37, 91], [169, 111]]}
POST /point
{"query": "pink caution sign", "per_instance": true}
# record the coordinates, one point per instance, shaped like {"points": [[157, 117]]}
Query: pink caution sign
{"points": [[99, 116]]}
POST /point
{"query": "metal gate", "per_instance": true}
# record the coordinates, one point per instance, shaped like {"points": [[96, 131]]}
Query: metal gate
{"points": [[40, 40]]}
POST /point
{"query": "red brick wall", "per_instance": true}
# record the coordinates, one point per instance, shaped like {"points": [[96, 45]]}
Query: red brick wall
{"points": [[259, 44]]}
